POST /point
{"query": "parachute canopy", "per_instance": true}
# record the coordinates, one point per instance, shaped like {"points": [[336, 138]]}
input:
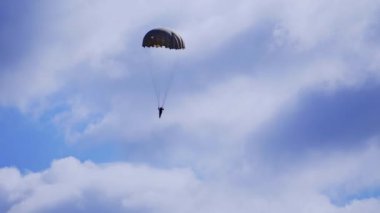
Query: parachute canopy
{"points": [[161, 37]]}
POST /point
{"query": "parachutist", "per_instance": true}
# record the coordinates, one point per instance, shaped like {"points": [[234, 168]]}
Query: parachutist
{"points": [[160, 110], [167, 39]]}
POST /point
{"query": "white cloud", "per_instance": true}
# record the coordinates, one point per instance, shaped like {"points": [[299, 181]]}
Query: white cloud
{"points": [[233, 102], [70, 185], [88, 54]]}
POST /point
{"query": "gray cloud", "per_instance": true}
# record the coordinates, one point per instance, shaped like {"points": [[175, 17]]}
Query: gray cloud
{"points": [[323, 122]]}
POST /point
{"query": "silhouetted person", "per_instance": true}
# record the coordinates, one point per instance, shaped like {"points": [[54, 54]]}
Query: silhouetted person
{"points": [[160, 110]]}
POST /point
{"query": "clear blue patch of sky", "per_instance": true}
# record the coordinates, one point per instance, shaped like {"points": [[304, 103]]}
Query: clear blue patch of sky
{"points": [[343, 199], [31, 144], [27, 143]]}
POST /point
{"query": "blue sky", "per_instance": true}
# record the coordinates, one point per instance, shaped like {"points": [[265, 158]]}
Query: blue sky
{"points": [[274, 107]]}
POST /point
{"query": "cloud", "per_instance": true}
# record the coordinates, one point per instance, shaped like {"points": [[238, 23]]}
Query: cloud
{"points": [[251, 71], [88, 57], [322, 122], [295, 70], [71, 185]]}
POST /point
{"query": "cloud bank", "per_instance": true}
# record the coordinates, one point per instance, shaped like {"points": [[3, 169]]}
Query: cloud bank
{"points": [[71, 185], [273, 108]]}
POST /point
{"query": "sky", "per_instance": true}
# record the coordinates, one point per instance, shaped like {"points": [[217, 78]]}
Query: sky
{"points": [[274, 107]]}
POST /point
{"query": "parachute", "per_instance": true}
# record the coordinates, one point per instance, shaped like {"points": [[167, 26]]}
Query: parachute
{"points": [[167, 41], [161, 37]]}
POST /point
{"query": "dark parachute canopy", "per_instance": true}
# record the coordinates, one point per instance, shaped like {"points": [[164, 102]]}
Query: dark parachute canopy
{"points": [[161, 37]]}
